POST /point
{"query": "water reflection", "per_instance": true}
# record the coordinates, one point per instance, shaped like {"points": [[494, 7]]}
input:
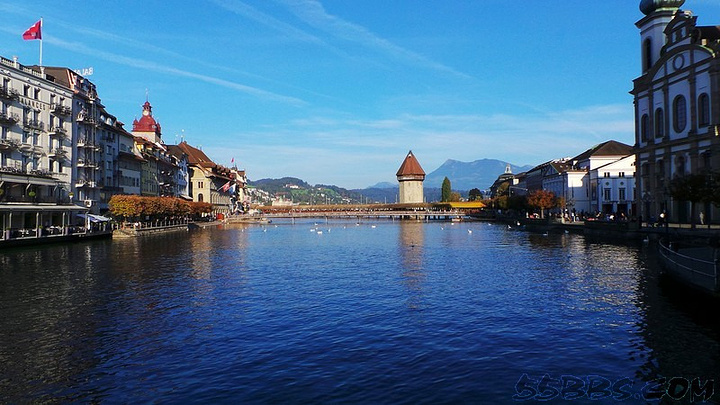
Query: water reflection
{"points": [[411, 249], [675, 343], [402, 311]]}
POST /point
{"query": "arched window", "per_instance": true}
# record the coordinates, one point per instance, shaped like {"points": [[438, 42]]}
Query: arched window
{"points": [[200, 197], [644, 128], [647, 55], [679, 113], [659, 123], [703, 110]]}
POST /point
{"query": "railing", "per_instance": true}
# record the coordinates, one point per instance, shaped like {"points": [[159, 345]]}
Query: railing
{"points": [[34, 124], [85, 183], [83, 119], [19, 170], [60, 109], [60, 131], [9, 144], [33, 200], [698, 272], [58, 153], [11, 119], [9, 94]]}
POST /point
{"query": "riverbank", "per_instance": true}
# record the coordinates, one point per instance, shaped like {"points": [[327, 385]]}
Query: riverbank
{"points": [[612, 229]]}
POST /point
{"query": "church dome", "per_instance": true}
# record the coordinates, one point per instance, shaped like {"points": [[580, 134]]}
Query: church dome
{"points": [[650, 6]]}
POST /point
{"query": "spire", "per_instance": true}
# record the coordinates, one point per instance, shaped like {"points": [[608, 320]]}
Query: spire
{"points": [[410, 167]]}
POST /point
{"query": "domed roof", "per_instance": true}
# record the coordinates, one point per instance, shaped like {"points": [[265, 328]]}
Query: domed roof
{"points": [[650, 6], [146, 123]]}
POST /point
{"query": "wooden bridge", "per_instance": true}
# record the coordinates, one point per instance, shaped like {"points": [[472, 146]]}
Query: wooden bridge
{"points": [[424, 211]]}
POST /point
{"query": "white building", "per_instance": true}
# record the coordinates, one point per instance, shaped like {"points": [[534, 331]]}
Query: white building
{"points": [[36, 152], [677, 105], [599, 180]]}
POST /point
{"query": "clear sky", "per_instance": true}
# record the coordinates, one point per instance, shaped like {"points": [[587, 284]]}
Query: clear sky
{"points": [[337, 91]]}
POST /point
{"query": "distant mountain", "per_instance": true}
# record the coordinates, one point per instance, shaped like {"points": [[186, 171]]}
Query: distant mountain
{"points": [[468, 175], [384, 184]]}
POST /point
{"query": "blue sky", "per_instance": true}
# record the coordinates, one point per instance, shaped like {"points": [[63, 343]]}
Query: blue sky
{"points": [[337, 91]]}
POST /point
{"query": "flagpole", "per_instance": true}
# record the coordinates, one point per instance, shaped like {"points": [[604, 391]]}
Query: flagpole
{"points": [[42, 69]]}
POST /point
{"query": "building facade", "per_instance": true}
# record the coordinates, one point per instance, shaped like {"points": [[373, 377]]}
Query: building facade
{"points": [[36, 153], [677, 106], [210, 182]]}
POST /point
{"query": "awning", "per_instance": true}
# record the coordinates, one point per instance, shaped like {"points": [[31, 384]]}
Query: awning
{"points": [[31, 208], [94, 218]]}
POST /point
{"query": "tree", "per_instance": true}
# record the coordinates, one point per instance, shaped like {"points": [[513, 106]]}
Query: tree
{"points": [[446, 190], [693, 188], [455, 196], [542, 199], [475, 195]]}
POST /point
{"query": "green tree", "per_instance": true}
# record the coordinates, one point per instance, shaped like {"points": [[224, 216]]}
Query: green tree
{"points": [[475, 195], [446, 190]]}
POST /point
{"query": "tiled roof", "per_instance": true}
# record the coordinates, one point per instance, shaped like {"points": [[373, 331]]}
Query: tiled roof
{"points": [[608, 148], [198, 158], [195, 155], [410, 167]]}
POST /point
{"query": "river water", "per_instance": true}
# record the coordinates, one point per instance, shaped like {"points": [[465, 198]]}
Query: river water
{"points": [[376, 312]]}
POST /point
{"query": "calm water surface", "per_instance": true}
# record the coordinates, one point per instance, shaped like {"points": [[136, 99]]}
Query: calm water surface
{"points": [[380, 312]]}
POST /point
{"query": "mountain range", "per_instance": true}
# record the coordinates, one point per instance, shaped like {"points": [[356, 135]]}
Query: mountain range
{"points": [[463, 177]]}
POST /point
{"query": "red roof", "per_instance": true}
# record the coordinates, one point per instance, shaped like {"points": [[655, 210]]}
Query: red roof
{"points": [[410, 167], [146, 123]]}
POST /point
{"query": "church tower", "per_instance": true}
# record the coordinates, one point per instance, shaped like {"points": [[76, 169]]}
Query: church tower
{"points": [[658, 14], [411, 177], [146, 126]]}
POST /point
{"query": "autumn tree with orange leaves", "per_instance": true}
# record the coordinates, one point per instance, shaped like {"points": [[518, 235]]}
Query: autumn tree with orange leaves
{"points": [[543, 200], [129, 207]]}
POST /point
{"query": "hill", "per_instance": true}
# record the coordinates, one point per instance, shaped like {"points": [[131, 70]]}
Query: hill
{"points": [[468, 175]]}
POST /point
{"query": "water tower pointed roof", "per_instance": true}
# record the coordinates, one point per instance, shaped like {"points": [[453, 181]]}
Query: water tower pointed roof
{"points": [[410, 167]]}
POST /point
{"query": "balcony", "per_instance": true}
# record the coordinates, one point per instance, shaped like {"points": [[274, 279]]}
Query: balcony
{"points": [[26, 148], [85, 183], [58, 154], [9, 144], [35, 173], [60, 132], [84, 143], [87, 163], [84, 119], [34, 124], [9, 94], [9, 119], [59, 109]]}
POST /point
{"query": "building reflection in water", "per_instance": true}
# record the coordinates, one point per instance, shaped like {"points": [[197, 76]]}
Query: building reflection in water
{"points": [[47, 300], [680, 330], [411, 246]]}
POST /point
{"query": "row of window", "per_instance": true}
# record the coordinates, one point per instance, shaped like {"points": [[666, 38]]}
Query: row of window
{"points": [[607, 193], [679, 112], [31, 92]]}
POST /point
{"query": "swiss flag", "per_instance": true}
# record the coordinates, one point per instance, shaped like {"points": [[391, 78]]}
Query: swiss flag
{"points": [[34, 32]]}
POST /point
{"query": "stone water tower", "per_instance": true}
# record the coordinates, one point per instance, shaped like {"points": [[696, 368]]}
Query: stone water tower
{"points": [[411, 177]]}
